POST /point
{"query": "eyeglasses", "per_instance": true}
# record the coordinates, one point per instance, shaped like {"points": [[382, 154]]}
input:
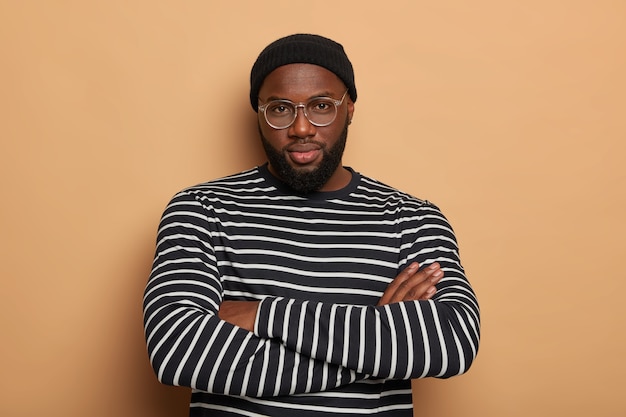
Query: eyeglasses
{"points": [[320, 111]]}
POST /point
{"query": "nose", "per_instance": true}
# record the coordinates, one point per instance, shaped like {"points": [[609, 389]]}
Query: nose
{"points": [[301, 127]]}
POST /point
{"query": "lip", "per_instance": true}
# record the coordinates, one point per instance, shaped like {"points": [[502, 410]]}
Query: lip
{"points": [[304, 154]]}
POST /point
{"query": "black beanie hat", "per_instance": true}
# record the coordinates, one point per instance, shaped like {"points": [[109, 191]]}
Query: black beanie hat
{"points": [[301, 49]]}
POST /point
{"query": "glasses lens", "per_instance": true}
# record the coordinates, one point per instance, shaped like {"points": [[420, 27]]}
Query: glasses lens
{"points": [[280, 114], [321, 111]]}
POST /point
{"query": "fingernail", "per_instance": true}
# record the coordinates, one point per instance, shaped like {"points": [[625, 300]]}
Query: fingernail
{"points": [[433, 266]]}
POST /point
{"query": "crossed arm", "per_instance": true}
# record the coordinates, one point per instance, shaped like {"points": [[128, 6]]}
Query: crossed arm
{"points": [[411, 284], [197, 339]]}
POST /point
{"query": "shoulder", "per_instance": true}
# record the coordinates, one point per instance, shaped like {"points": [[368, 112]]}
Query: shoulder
{"points": [[379, 191], [241, 183], [207, 194], [241, 180], [406, 209]]}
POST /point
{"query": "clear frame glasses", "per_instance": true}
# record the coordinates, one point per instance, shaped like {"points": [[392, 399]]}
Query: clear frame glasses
{"points": [[320, 111]]}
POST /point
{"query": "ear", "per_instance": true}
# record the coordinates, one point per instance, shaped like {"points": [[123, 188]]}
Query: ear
{"points": [[350, 105]]}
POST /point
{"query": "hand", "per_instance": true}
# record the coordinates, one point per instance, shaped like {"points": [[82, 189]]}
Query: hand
{"points": [[239, 313], [412, 284]]}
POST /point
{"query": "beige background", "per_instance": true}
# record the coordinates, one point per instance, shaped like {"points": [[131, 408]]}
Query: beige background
{"points": [[510, 115]]}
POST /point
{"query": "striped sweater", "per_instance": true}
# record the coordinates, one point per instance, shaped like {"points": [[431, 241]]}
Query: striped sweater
{"points": [[318, 265]]}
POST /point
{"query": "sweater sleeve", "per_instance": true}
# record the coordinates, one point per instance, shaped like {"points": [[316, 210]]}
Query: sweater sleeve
{"points": [[188, 344], [416, 339]]}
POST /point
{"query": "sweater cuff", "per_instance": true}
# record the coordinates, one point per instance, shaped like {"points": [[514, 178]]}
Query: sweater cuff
{"points": [[266, 324]]}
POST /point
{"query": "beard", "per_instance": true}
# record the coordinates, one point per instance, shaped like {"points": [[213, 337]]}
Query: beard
{"points": [[303, 181]]}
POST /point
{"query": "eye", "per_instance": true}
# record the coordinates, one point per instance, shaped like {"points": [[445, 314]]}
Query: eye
{"points": [[322, 105], [280, 108]]}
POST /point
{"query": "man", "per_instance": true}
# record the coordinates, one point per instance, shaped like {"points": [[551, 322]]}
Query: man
{"points": [[302, 287]]}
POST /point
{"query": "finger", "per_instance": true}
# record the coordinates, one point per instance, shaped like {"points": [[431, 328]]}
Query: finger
{"points": [[391, 289], [416, 287], [436, 276], [404, 276], [424, 291], [421, 292]]}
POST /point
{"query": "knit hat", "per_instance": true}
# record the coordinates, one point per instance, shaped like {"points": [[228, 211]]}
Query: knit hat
{"points": [[302, 49]]}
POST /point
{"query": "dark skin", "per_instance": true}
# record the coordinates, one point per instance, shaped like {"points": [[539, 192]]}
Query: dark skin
{"points": [[301, 145]]}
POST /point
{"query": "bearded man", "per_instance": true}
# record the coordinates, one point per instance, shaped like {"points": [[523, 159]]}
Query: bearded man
{"points": [[301, 286]]}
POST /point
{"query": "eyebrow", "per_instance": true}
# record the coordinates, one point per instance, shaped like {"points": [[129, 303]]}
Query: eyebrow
{"points": [[322, 94]]}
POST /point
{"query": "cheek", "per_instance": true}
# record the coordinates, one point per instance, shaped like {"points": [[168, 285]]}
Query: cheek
{"points": [[264, 129], [276, 138], [332, 135]]}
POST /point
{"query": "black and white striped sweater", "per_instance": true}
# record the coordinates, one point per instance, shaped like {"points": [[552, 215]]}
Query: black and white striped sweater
{"points": [[318, 264]]}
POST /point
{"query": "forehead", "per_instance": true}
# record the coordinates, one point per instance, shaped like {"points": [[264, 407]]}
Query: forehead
{"points": [[300, 82]]}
